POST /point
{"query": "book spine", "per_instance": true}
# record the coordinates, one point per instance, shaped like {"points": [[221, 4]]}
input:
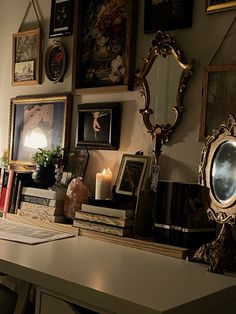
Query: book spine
{"points": [[42, 201], [8, 191], [119, 222], [40, 216], [4, 189], [48, 210], [118, 213]]}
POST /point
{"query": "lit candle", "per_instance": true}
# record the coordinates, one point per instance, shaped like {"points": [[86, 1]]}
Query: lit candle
{"points": [[103, 185]]}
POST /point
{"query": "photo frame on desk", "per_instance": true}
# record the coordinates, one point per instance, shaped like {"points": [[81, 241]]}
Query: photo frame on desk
{"points": [[214, 6], [132, 174], [37, 122], [61, 19], [218, 99], [99, 125], [105, 46], [26, 58]]}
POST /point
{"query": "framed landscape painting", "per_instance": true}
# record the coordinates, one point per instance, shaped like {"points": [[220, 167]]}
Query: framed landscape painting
{"points": [[105, 46], [214, 6]]}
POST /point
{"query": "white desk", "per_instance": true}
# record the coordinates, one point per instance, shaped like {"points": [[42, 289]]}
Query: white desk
{"points": [[110, 278]]}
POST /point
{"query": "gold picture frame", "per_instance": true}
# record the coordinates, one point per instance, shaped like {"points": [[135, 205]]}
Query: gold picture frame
{"points": [[46, 117], [26, 58], [214, 6]]}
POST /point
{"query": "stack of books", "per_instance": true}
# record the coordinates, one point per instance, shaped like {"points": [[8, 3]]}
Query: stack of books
{"points": [[42, 204], [103, 219]]}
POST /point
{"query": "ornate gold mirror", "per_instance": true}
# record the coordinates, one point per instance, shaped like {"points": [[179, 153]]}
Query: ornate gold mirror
{"points": [[163, 80], [217, 171]]}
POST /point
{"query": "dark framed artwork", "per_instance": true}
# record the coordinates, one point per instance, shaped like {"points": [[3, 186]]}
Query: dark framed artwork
{"points": [[99, 125], [219, 97], [214, 6], [61, 20], [26, 58], [105, 46], [167, 15], [37, 122], [78, 159], [55, 61], [132, 174]]}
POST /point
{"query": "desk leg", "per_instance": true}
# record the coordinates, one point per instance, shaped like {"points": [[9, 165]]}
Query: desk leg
{"points": [[24, 289]]}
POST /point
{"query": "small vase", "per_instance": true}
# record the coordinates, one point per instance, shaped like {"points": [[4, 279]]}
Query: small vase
{"points": [[44, 176]]}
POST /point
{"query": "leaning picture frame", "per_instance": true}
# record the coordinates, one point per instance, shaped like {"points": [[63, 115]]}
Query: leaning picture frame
{"points": [[214, 6], [99, 125], [26, 58], [37, 122], [61, 19], [218, 97], [132, 174], [105, 46]]}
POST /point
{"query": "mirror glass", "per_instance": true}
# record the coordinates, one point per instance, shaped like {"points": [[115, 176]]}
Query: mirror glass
{"points": [[223, 178], [163, 81]]}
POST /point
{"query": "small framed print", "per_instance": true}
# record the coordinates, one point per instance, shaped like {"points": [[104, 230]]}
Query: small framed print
{"points": [[55, 62], [132, 174], [26, 58], [61, 20], [214, 6], [99, 126]]}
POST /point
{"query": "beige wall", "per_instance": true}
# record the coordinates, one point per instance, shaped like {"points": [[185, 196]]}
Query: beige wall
{"points": [[180, 157]]}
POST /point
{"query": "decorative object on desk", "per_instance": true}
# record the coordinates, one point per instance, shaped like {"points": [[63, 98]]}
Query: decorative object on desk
{"points": [[167, 15], [4, 158], [214, 6], [99, 125], [217, 171], [78, 161], [26, 58], [105, 46], [61, 20], [40, 121], [46, 161], [103, 187], [76, 194]]}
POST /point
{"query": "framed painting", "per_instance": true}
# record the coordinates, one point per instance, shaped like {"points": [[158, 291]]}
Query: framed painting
{"points": [[214, 6], [167, 15], [26, 58], [99, 126], [37, 122], [132, 174], [61, 19], [218, 98], [78, 159], [105, 46]]}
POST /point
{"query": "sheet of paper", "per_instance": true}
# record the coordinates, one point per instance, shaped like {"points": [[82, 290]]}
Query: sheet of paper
{"points": [[24, 233]]}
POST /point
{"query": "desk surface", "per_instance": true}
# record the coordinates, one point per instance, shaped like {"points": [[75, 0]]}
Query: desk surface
{"points": [[116, 278]]}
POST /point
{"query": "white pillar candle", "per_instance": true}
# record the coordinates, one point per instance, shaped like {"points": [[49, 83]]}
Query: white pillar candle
{"points": [[103, 185]]}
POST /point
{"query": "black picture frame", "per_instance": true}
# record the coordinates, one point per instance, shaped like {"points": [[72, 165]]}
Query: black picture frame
{"points": [[99, 125], [167, 15], [61, 19]]}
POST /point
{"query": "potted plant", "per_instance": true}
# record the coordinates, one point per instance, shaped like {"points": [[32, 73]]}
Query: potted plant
{"points": [[46, 160]]}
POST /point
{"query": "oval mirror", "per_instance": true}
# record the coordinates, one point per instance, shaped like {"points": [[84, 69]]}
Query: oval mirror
{"points": [[163, 80]]}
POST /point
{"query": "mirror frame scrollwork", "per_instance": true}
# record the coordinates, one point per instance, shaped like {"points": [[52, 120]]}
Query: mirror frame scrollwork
{"points": [[162, 45]]}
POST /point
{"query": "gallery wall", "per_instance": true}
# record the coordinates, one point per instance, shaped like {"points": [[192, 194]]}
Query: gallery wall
{"points": [[180, 157]]}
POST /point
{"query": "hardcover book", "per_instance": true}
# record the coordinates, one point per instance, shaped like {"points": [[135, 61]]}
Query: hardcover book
{"points": [[54, 195], [118, 213], [43, 209], [40, 216], [42, 201]]}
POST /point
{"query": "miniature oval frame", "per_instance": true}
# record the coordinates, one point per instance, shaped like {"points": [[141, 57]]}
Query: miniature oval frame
{"points": [[55, 62]]}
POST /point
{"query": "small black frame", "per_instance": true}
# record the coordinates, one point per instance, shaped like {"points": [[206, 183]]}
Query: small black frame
{"points": [[61, 20], [99, 125]]}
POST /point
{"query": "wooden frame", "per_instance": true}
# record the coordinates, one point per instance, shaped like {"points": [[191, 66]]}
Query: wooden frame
{"points": [[105, 46], [214, 6], [26, 58], [55, 62], [166, 15], [218, 98], [61, 20], [99, 126], [34, 119], [132, 174]]}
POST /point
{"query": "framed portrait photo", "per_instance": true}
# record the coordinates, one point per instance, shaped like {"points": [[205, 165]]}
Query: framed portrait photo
{"points": [[132, 174], [214, 6], [61, 20], [167, 15], [218, 99], [26, 58], [37, 122], [99, 126], [105, 46]]}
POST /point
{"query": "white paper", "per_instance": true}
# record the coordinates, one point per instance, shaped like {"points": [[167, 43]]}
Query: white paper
{"points": [[24, 233]]}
